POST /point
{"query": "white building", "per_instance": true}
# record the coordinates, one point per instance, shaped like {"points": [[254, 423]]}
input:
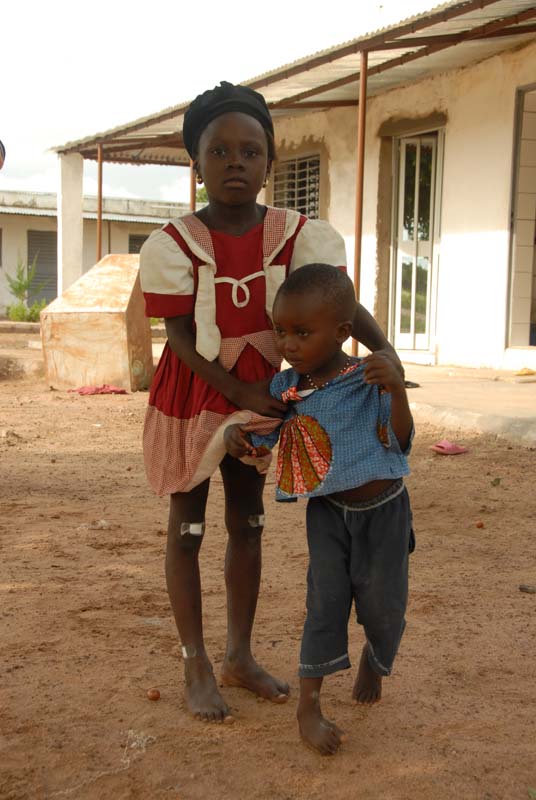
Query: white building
{"points": [[29, 229], [446, 143]]}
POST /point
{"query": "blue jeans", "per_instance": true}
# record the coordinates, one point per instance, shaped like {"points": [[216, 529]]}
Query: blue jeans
{"points": [[357, 553]]}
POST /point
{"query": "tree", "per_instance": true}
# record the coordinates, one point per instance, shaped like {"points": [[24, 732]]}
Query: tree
{"points": [[201, 195]]}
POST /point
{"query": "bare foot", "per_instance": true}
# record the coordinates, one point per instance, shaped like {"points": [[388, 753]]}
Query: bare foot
{"points": [[249, 675], [317, 732], [201, 693], [368, 684]]}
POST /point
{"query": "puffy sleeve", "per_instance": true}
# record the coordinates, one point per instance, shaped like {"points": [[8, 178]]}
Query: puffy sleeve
{"points": [[318, 243], [166, 276]]}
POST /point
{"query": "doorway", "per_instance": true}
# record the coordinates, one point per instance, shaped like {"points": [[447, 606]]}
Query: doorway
{"points": [[415, 237]]}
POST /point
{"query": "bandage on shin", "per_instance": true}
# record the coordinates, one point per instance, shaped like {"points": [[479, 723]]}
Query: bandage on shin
{"points": [[193, 528], [256, 520]]}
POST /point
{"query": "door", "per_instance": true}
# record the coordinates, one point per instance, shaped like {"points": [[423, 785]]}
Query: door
{"points": [[417, 166]]}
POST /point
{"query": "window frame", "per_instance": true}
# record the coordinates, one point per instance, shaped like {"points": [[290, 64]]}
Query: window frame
{"points": [[310, 206]]}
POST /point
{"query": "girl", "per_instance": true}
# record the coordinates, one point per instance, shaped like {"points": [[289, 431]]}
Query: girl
{"points": [[213, 276]]}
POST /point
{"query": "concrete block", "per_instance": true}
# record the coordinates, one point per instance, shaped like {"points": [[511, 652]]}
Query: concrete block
{"points": [[96, 332]]}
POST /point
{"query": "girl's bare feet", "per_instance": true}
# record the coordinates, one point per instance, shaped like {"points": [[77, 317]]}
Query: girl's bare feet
{"points": [[368, 684], [316, 731], [201, 693], [247, 674]]}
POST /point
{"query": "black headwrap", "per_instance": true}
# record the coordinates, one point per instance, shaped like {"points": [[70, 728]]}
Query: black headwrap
{"points": [[220, 100]]}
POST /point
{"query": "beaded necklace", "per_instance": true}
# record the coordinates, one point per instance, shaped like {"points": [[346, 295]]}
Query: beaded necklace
{"points": [[314, 385]]}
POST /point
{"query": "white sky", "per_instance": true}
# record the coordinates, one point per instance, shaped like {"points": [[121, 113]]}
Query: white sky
{"points": [[72, 69]]}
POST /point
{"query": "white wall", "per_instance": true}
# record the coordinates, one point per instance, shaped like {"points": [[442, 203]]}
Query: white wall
{"points": [[114, 233], [15, 228], [335, 132], [473, 288]]}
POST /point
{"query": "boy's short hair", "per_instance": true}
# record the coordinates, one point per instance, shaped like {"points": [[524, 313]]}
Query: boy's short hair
{"points": [[333, 283]]}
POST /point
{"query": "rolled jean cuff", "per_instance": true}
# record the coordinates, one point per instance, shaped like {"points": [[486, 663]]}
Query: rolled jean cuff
{"points": [[319, 670], [375, 664]]}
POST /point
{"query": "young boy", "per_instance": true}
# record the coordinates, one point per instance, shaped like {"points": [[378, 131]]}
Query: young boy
{"points": [[343, 444]]}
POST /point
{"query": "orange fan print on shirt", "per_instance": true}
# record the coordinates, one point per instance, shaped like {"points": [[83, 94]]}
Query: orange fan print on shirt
{"points": [[304, 455]]}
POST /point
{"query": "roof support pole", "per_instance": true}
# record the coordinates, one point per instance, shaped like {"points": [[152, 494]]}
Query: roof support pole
{"points": [[70, 221], [361, 130], [99, 202], [192, 186]]}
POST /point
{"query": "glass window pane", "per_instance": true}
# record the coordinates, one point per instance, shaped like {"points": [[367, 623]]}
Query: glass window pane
{"points": [[421, 293], [408, 221], [405, 300], [425, 192]]}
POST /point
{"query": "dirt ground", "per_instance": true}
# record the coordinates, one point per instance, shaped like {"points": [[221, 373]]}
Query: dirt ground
{"points": [[86, 629]]}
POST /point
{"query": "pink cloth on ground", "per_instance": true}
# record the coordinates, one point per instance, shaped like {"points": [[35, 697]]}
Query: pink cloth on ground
{"points": [[106, 388]]}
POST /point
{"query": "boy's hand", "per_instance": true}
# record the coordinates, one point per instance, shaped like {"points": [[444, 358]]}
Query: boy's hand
{"points": [[381, 369], [237, 442]]}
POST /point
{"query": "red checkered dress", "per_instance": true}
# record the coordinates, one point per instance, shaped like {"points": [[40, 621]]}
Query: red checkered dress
{"points": [[229, 283]]}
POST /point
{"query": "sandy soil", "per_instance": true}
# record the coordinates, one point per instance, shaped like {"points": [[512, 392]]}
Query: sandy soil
{"points": [[86, 630]]}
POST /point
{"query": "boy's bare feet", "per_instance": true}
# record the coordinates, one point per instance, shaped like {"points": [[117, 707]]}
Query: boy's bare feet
{"points": [[368, 684], [201, 693], [247, 674], [317, 732]]}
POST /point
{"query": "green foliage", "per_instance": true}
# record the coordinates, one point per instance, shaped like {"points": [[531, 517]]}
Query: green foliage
{"points": [[156, 320], [21, 313], [201, 195], [21, 286], [24, 280]]}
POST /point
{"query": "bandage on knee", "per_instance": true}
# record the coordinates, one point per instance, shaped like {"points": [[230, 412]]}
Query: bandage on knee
{"points": [[256, 520], [193, 528]]}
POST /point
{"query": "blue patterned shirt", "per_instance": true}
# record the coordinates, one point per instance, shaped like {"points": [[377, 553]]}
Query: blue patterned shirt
{"points": [[335, 438]]}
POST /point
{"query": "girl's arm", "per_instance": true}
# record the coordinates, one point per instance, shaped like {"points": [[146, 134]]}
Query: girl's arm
{"points": [[380, 369], [366, 330], [252, 396]]}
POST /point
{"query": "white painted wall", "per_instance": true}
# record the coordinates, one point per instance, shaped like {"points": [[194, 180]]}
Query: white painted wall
{"points": [[473, 288], [15, 229], [116, 233]]}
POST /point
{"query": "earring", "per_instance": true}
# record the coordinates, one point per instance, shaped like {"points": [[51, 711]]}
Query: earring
{"points": [[198, 178], [265, 184]]}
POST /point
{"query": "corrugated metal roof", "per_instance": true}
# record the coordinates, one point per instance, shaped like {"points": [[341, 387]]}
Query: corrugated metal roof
{"points": [[41, 212], [29, 212], [446, 37]]}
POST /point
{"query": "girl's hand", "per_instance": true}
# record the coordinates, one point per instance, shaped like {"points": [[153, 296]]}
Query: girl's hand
{"points": [[256, 397], [382, 369], [237, 442]]}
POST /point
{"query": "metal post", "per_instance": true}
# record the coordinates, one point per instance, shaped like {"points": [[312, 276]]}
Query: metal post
{"points": [[99, 202], [192, 186], [361, 129]]}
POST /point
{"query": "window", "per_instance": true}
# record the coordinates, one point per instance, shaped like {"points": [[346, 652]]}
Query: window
{"points": [[297, 185], [135, 242]]}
